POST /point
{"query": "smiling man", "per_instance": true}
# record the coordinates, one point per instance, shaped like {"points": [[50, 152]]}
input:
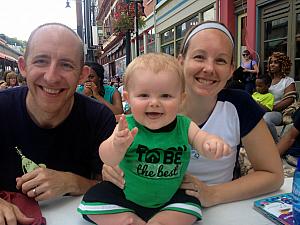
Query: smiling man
{"points": [[49, 134]]}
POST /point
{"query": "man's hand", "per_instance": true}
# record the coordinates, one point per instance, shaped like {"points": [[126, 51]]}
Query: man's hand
{"points": [[11, 214], [44, 184]]}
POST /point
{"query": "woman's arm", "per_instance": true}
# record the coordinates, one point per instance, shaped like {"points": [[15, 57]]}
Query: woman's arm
{"points": [[116, 107], [267, 175], [254, 69], [286, 102]]}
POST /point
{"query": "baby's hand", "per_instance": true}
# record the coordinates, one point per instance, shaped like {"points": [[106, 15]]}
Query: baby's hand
{"points": [[123, 137], [215, 148]]}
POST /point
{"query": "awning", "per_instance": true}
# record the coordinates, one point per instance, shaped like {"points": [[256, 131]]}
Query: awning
{"points": [[8, 57], [115, 48]]}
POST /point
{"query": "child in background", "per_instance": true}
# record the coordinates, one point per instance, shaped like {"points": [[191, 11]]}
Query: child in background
{"points": [[262, 95], [152, 147]]}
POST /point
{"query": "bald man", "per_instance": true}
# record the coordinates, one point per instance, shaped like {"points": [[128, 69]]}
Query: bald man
{"points": [[54, 130]]}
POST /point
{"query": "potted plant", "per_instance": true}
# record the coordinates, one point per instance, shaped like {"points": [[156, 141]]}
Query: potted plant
{"points": [[124, 17]]}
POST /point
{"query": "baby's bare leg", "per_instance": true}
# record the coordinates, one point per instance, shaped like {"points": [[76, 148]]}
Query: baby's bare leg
{"points": [[172, 218], [126, 218]]}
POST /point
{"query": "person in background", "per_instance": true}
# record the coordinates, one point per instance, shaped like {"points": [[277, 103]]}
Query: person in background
{"points": [[154, 128], [11, 81], [262, 95], [279, 66], [4, 77], [289, 143], [94, 87], [50, 135], [125, 104], [250, 71], [21, 80], [207, 59]]}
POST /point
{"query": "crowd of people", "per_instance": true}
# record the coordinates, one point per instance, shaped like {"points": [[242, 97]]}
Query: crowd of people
{"points": [[64, 122]]}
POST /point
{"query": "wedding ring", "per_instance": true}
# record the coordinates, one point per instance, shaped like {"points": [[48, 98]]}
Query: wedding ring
{"points": [[34, 191]]}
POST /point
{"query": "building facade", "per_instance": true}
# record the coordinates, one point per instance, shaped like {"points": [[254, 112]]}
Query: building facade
{"points": [[8, 57], [261, 26]]}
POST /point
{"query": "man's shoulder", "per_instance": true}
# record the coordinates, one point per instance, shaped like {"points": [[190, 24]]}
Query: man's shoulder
{"points": [[87, 103], [91, 107], [13, 94], [15, 90]]}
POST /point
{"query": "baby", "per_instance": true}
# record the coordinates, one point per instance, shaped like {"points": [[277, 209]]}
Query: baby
{"points": [[152, 147]]}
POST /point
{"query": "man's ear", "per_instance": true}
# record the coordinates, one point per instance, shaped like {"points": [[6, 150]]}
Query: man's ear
{"points": [[84, 74], [22, 66], [126, 96]]}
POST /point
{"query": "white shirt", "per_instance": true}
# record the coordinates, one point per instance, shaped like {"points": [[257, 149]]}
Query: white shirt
{"points": [[278, 89], [233, 117]]}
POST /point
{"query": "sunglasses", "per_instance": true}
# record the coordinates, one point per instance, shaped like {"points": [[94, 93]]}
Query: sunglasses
{"points": [[245, 54]]}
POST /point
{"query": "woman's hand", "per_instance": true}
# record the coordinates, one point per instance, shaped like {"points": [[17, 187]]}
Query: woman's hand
{"points": [[87, 89], [114, 175], [90, 89], [198, 189]]}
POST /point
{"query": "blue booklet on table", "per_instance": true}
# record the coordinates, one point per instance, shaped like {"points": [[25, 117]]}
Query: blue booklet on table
{"points": [[277, 208]]}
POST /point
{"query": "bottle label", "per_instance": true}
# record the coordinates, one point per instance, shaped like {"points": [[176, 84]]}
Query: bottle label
{"points": [[296, 190]]}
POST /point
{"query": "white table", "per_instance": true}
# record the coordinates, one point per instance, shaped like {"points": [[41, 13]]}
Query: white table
{"points": [[63, 211]]}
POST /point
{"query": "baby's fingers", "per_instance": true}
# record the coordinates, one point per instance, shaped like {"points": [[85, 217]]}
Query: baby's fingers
{"points": [[122, 125], [123, 133], [226, 150], [222, 149], [134, 132]]}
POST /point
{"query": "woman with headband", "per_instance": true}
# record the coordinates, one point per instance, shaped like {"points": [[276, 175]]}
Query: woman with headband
{"points": [[207, 60]]}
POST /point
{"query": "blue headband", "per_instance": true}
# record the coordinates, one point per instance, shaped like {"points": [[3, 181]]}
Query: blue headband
{"points": [[209, 25]]}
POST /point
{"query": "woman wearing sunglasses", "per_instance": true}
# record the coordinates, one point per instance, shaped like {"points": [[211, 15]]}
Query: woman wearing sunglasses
{"points": [[250, 71]]}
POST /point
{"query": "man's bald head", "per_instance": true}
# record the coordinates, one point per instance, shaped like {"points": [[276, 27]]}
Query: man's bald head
{"points": [[59, 26]]}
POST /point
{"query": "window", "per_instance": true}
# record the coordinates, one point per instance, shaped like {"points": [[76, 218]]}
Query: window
{"points": [[141, 43], [150, 40], [276, 36], [209, 14], [171, 39], [185, 26], [169, 49], [167, 36], [280, 30], [167, 41]]}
